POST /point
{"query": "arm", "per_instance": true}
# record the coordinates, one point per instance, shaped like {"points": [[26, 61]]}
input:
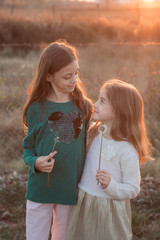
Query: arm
{"points": [[130, 186], [28, 144], [36, 163]]}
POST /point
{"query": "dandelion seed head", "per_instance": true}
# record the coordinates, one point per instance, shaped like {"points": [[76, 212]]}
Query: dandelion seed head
{"points": [[102, 129]]}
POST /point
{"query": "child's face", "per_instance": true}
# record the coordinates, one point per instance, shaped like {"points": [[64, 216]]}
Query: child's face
{"points": [[102, 109], [65, 79]]}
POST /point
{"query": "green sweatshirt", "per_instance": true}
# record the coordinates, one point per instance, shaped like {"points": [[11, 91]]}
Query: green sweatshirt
{"points": [[45, 123]]}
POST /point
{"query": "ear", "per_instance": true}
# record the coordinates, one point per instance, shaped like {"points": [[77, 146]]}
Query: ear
{"points": [[49, 77]]}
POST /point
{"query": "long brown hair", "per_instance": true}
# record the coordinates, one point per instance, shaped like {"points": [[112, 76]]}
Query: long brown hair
{"points": [[54, 57], [129, 123]]}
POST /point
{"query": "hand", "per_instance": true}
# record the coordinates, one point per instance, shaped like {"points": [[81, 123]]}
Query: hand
{"points": [[45, 163], [103, 177]]}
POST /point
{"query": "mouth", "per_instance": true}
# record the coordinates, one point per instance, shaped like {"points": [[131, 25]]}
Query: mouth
{"points": [[72, 86]]}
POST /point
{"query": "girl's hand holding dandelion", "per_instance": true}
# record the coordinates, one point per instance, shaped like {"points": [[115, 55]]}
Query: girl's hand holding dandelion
{"points": [[104, 178], [42, 164]]}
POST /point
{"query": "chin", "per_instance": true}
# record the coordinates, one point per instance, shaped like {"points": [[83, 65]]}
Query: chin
{"points": [[94, 117], [71, 90]]}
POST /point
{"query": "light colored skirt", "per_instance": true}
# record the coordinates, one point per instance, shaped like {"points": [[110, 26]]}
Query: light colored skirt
{"points": [[97, 218]]}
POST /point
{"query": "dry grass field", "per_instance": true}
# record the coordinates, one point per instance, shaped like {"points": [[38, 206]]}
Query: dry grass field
{"points": [[100, 59], [36, 25]]}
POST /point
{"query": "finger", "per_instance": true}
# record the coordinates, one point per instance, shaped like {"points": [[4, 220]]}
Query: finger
{"points": [[48, 169], [45, 170], [101, 181], [101, 171], [102, 175], [52, 161], [104, 181], [98, 177], [53, 153], [48, 165], [105, 173], [104, 184], [50, 156]]}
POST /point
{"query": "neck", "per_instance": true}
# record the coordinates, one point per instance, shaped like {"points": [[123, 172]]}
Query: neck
{"points": [[107, 135], [59, 97]]}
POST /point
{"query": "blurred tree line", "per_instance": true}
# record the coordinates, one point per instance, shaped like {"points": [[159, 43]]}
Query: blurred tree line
{"points": [[12, 5]]}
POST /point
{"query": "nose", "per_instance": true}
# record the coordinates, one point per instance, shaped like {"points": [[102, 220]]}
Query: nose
{"points": [[75, 78]]}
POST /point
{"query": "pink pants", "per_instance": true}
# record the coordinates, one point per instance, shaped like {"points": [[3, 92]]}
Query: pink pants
{"points": [[39, 217]]}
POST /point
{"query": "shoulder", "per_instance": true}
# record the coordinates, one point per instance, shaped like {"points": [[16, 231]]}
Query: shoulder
{"points": [[126, 149], [34, 112], [34, 107], [129, 158]]}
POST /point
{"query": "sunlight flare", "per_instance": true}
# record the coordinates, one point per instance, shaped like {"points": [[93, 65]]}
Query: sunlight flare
{"points": [[149, 1]]}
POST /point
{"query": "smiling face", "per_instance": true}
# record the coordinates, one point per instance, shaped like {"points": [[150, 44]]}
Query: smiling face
{"points": [[103, 110], [65, 79]]}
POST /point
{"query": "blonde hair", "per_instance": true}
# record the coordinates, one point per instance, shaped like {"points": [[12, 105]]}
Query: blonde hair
{"points": [[54, 57], [129, 123]]}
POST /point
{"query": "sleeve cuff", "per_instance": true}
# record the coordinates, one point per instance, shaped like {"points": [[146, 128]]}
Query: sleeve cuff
{"points": [[32, 165], [111, 186], [31, 162]]}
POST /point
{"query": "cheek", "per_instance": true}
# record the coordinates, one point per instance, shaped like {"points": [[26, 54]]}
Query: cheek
{"points": [[63, 82], [111, 115], [103, 115], [106, 113]]}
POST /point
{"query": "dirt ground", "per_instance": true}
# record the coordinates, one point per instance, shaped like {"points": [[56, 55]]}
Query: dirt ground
{"points": [[145, 208]]}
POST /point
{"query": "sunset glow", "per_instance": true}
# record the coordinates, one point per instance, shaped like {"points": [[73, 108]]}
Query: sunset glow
{"points": [[87, 0], [149, 1], [118, 2]]}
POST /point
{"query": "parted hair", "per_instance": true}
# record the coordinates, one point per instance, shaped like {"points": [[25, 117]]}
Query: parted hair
{"points": [[129, 123], [53, 58]]}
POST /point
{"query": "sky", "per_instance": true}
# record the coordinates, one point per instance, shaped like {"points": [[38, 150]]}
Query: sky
{"points": [[118, 1]]}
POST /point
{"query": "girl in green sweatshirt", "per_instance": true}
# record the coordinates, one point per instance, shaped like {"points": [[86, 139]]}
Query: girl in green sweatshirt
{"points": [[56, 115]]}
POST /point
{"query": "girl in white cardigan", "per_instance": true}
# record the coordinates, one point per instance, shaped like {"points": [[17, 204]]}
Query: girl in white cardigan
{"points": [[111, 176]]}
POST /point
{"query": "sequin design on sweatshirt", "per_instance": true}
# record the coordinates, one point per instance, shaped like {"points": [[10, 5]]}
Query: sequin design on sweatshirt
{"points": [[66, 126]]}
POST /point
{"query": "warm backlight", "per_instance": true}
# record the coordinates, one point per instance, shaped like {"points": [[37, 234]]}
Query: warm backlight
{"points": [[149, 1]]}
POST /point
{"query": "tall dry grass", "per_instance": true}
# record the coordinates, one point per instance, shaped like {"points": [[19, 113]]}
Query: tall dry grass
{"points": [[79, 26]]}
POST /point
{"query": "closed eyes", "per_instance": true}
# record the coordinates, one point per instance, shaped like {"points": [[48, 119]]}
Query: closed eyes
{"points": [[68, 76], [102, 100]]}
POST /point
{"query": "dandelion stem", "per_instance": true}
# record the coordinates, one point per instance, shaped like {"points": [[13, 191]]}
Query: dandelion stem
{"points": [[56, 140], [100, 156]]}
